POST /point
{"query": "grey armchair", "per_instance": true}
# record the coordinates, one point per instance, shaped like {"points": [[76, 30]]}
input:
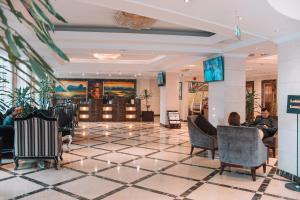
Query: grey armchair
{"points": [[241, 147], [200, 139]]}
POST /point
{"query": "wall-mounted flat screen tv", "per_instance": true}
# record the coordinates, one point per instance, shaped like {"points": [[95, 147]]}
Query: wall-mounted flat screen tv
{"points": [[161, 79], [214, 69]]}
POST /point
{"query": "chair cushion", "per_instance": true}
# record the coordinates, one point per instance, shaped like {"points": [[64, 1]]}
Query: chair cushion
{"points": [[205, 125]]}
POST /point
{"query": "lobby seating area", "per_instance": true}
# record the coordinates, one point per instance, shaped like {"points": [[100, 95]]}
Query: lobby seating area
{"points": [[137, 161], [149, 100]]}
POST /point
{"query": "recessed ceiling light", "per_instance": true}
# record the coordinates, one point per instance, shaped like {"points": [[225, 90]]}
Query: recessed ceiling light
{"points": [[186, 1], [106, 56], [82, 74]]}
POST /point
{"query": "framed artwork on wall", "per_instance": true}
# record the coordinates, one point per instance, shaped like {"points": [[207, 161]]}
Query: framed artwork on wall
{"points": [[197, 86], [119, 88], [71, 89], [180, 90], [94, 89]]}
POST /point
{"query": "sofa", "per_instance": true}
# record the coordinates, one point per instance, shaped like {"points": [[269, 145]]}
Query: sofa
{"points": [[241, 147], [199, 138]]}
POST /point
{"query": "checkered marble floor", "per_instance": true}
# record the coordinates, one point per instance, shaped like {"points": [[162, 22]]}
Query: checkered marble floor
{"points": [[134, 161]]}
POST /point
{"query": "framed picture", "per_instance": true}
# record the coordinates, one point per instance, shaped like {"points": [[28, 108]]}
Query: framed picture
{"points": [[71, 89], [180, 90], [119, 88], [197, 87], [94, 89]]}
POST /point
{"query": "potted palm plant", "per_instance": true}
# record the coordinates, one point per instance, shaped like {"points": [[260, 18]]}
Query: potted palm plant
{"points": [[45, 93], [22, 98], [147, 116], [251, 104]]}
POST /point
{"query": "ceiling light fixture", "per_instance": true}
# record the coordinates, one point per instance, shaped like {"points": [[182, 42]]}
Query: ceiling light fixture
{"points": [[106, 56], [133, 21], [237, 29], [186, 1]]}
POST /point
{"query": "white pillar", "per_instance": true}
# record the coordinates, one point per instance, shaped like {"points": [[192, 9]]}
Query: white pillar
{"points": [[288, 84], [184, 103], [228, 96], [169, 96]]}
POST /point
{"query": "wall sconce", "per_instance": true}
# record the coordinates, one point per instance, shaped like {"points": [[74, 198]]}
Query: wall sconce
{"points": [[107, 108], [130, 109], [84, 116], [84, 108], [130, 116], [107, 116]]}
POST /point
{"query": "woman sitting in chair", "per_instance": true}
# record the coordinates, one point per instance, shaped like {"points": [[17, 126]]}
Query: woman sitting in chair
{"points": [[234, 119]]}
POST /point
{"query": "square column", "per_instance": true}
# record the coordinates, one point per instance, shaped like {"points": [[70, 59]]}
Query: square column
{"points": [[169, 96], [229, 95], [288, 84]]}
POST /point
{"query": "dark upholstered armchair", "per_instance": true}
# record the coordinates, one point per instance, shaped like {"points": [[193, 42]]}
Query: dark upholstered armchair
{"points": [[7, 134], [241, 147], [199, 138], [37, 137], [271, 143]]}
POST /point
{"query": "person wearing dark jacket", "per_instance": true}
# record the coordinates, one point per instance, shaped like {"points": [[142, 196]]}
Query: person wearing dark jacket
{"points": [[266, 123]]}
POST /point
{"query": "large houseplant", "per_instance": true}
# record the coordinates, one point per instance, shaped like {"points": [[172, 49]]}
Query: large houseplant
{"points": [[35, 15], [45, 93], [251, 105], [147, 115], [22, 98]]}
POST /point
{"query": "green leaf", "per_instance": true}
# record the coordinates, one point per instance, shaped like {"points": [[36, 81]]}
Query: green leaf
{"points": [[42, 17], [11, 42], [51, 10], [3, 17], [37, 68]]}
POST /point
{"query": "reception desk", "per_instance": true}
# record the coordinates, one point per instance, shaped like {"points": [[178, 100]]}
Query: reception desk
{"points": [[118, 109]]}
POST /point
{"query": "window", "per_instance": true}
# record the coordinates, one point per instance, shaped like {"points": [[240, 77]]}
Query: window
{"points": [[6, 87]]}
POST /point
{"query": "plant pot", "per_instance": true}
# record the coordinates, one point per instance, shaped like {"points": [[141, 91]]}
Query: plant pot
{"points": [[147, 116]]}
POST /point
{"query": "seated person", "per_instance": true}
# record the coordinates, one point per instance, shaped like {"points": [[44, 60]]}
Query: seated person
{"points": [[234, 119], [267, 124], [11, 114], [205, 125]]}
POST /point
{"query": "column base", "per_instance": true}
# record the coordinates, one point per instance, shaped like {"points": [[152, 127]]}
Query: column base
{"points": [[293, 186]]}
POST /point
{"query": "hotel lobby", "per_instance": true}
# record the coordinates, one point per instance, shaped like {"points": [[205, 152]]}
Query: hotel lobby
{"points": [[153, 100]]}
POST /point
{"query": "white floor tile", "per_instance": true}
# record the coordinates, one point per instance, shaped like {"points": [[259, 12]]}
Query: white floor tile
{"points": [[53, 176], [167, 184], [15, 187], [137, 194], [214, 192], [124, 174], [90, 187]]}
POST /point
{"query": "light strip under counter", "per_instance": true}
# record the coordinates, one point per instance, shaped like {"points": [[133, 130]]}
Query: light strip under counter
{"points": [[130, 109]]}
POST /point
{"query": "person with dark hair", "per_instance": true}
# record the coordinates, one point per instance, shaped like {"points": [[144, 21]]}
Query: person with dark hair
{"points": [[266, 123], [10, 116], [234, 119]]}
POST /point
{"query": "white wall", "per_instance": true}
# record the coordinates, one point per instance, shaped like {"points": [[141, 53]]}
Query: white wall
{"points": [[288, 84], [151, 85], [257, 88]]}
